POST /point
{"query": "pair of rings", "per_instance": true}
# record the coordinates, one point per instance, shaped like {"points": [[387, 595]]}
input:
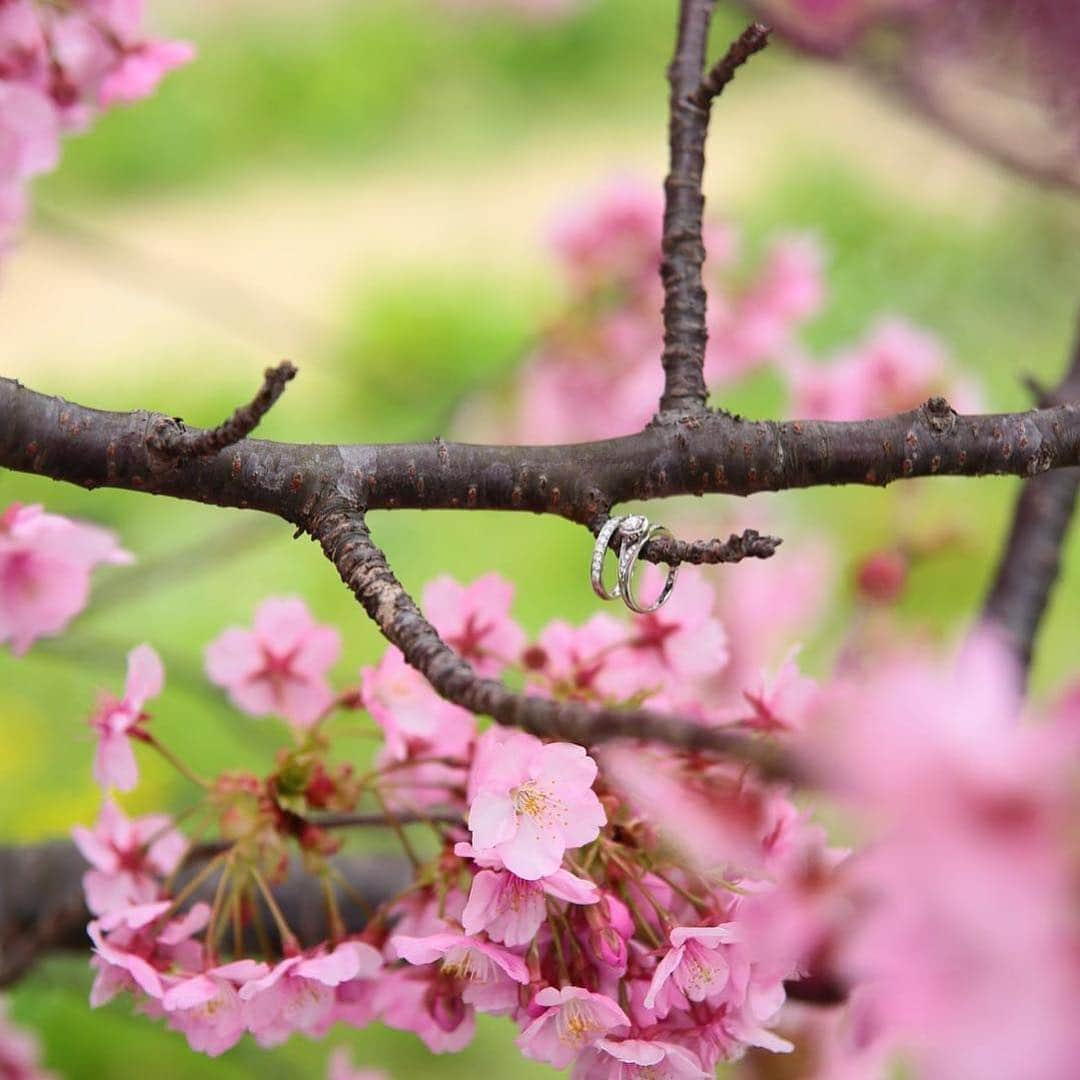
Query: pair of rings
{"points": [[635, 531]]}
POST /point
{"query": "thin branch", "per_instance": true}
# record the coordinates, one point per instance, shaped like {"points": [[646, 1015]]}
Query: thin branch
{"points": [[1031, 561], [171, 437], [683, 249], [752, 40], [749, 544], [363, 567]]}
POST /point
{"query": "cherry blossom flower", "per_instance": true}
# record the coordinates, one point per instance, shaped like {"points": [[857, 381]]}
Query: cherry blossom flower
{"points": [[118, 722], [511, 910], [416, 721], [696, 963], [128, 857], [474, 620], [682, 639], [279, 667], [141, 69], [583, 662], [572, 1019], [298, 993], [530, 801], [207, 1008], [45, 565], [427, 1003], [638, 1059], [19, 1052], [489, 974], [131, 953], [60, 64]]}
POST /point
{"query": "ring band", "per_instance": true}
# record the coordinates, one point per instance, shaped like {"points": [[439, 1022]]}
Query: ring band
{"points": [[596, 567], [626, 573]]}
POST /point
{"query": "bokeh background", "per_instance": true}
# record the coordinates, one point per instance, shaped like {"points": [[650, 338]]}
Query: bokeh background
{"points": [[367, 189]]}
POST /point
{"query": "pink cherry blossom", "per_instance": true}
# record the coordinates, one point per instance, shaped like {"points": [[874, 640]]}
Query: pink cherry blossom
{"points": [[683, 639], [280, 666], [696, 963], [572, 1019], [530, 801], [758, 325], [298, 993], [207, 1007], [511, 910], [19, 1051], [583, 662], [132, 951], [416, 721], [118, 722], [427, 1003], [141, 69], [489, 974], [128, 857], [45, 565], [474, 620], [638, 1059]]}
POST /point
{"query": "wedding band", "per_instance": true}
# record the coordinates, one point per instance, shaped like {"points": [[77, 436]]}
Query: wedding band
{"points": [[628, 557], [596, 567]]}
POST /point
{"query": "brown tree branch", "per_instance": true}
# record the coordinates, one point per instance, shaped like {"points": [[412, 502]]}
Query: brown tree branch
{"points": [[752, 40], [347, 543], [683, 248], [1031, 560], [173, 438], [714, 453]]}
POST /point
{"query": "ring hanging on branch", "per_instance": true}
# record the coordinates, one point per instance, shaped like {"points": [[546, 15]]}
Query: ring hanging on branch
{"points": [[635, 531], [629, 559]]}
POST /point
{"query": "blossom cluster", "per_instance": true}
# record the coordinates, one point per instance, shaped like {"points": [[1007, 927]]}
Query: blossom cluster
{"points": [[594, 373], [19, 1052], [60, 65], [635, 910], [550, 897]]}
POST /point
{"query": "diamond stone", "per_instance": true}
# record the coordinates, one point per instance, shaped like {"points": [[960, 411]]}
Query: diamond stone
{"points": [[633, 526]]}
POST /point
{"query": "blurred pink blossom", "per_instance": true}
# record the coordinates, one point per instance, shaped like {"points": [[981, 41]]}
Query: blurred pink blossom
{"points": [[117, 722], [128, 857], [474, 620], [45, 566], [278, 667]]}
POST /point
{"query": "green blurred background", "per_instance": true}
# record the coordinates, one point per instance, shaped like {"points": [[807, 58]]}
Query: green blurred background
{"points": [[366, 188]]}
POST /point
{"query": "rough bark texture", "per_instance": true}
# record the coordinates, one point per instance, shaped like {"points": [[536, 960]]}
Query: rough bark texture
{"points": [[1031, 560]]}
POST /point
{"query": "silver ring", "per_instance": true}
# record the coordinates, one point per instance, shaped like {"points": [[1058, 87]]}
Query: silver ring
{"points": [[596, 567], [628, 557]]}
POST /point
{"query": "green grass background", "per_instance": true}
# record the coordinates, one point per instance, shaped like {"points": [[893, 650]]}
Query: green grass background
{"points": [[364, 83]]}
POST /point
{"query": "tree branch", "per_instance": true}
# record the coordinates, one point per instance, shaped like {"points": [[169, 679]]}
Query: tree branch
{"points": [[347, 543], [752, 40], [685, 333], [694, 456], [173, 438], [1031, 560], [42, 908]]}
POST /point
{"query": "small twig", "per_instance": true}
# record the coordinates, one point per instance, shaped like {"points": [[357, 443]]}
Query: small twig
{"points": [[172, 438], [749, 544], [752, 40]]}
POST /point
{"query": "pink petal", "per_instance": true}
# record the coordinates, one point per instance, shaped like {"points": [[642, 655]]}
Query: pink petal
{"points": [[145, 676], [492, 820]]}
